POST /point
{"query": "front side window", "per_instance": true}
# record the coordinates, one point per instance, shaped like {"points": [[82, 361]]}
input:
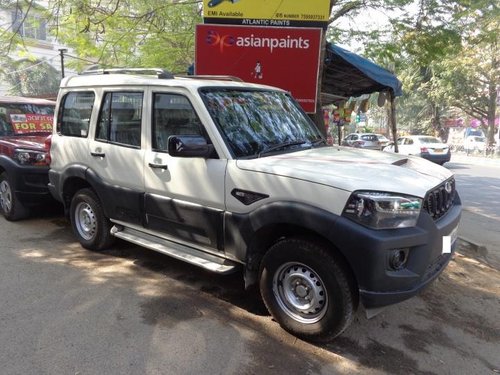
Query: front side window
{"points": [[74, 114], [120, 118], [258, 122], [172, 115]]}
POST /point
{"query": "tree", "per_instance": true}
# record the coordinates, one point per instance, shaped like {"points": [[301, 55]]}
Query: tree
{"points": [[469, 79], [133, 33], [31, 78]]}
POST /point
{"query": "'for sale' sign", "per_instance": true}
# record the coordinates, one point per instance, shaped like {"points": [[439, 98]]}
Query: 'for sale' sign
{"points": [[283, 57], [31, 123]]}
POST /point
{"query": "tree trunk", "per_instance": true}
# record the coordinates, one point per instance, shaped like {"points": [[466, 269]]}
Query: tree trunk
{"points": [[393, 121]]}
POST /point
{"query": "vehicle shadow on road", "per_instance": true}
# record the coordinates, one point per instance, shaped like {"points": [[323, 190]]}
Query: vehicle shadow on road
{"points": [[451, 325]]}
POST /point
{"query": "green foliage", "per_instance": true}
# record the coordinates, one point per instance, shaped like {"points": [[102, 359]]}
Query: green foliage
{"points": [[133, 33], [31, 78]]}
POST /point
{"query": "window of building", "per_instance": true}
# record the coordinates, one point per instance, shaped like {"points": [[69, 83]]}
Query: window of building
{"points": [[29, 25]]}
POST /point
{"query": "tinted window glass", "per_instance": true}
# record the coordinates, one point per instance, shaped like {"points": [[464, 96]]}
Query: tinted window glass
{"points": [[25, 118], [120, 118], [172, 115], [74, 114], [429, 140], [254, 122], [369, 137]]}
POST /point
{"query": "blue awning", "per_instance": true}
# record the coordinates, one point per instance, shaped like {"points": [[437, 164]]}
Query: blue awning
{"points": [[347, 74]]}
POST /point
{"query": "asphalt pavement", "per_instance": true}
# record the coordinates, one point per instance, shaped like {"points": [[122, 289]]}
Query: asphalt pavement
{"points": [[478, 182]]}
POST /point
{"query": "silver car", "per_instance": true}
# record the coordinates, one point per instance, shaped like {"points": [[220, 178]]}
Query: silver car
{"points": [[362, 140]]}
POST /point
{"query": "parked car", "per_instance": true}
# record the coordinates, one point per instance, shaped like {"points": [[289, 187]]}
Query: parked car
{"points": [[362, 140], [383, 140], [234, 176], [475, 144], [430, 148], [25, 130]]}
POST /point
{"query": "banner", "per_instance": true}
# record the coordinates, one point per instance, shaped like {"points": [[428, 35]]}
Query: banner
{"points": [[309, 13], [31, 123], [287, 58]]}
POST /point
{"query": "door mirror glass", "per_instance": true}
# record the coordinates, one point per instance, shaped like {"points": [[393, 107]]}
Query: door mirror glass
{"points": [[189, 146]]}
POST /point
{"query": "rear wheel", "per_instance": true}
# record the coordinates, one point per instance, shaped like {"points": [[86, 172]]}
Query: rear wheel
{"points": [[11, 207], [306, 290], [88, 221]]}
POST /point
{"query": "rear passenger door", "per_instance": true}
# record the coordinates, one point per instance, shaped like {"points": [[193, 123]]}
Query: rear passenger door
{"points": [[116, 155]]}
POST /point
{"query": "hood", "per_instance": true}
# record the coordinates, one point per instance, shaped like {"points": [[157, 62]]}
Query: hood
{"points": [[354, 169], [31, 142]]}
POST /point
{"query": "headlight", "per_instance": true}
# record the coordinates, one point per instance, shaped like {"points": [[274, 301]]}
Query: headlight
{"points": [[28, 157], [381, 210]]}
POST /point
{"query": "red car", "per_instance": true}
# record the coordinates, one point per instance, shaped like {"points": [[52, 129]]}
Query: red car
{"points": [[25, 131]]}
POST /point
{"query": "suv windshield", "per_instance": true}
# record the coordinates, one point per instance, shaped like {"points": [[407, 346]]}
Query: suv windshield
{"points": [[25, 118], [255, 122]]}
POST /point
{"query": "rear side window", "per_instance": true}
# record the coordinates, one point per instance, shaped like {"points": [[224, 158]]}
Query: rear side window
{"points": [[74, 114], [120, 118], [370, 138], [172, 115]]}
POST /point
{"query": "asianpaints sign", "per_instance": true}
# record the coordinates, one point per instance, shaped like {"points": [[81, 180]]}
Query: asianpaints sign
{"points": [[31, 123], [283, 57]]}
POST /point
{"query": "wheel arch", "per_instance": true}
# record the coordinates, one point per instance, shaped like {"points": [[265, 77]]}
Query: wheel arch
{"points": [[279, 220]]}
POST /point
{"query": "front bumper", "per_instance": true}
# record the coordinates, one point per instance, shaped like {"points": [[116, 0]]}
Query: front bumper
{"points": [[28, 183], [367, 252]]}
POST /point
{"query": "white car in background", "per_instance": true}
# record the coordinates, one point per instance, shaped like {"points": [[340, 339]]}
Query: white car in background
{"points": [[425, 146], [383, 140], [475, 144]]}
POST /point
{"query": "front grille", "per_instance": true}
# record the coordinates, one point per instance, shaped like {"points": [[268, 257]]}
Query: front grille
{"points": [[439, 200]]}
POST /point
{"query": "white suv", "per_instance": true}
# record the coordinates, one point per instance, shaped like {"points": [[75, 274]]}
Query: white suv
{"points": [[234, 176]]}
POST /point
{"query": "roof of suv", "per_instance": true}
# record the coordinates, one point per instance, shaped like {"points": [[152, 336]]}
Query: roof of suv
{"points": [[120, 79]]}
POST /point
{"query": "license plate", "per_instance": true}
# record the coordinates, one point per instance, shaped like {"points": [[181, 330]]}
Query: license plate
{"points": [[448, 241], [438, 150]]}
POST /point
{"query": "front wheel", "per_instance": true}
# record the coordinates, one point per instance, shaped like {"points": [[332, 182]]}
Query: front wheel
{"points": [[88, 221], [306, 290], [12, 208]]}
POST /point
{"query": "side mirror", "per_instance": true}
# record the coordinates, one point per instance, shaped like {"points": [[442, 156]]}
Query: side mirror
{"points": [[189, 146]]}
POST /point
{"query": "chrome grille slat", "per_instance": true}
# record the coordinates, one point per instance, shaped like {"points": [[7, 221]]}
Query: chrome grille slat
{"points": [[440, 199]]}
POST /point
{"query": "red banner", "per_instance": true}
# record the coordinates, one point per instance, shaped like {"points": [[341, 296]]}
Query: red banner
{"points": [[287, 58], [31, 123]]}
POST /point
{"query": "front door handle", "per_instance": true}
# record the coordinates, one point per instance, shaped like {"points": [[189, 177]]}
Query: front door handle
{"points": [[98, 154], [158, 166]]}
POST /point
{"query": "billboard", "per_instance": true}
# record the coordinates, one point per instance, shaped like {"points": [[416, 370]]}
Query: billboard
{"points": [[283, 57], [310, 13]]}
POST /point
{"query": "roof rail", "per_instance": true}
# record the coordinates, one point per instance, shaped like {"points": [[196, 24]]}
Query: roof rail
{"points": [[213, 77], [160, 73]]}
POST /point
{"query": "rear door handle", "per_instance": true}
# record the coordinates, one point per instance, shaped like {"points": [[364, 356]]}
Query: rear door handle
{"points": [[98, 154], [158, 166]]}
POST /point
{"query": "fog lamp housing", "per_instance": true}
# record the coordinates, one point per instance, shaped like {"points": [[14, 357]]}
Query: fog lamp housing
{"points": [[398, 259]]}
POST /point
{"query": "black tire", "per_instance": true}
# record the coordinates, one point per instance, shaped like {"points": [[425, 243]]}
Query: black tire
{"points": [[12, 209], [306, 290], [89, 224]]}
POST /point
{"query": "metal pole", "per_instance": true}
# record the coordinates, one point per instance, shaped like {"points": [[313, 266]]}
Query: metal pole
{"points": [[61, 52]]}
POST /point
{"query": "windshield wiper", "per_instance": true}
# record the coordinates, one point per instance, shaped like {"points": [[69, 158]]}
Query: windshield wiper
{"points": [[318, 142], [281, 146]]}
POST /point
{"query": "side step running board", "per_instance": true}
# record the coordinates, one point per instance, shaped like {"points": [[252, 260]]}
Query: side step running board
{"points": [[198, 258]]}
